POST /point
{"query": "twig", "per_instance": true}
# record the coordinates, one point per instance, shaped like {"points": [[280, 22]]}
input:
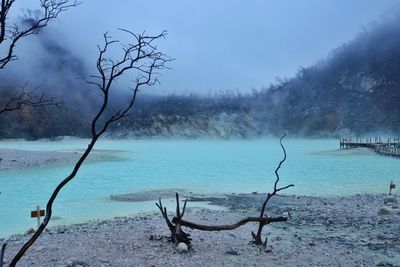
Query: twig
{"points": [[28, 99]]}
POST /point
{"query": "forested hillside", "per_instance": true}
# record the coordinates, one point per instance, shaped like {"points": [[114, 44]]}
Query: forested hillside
{"points": [[355, 90]]}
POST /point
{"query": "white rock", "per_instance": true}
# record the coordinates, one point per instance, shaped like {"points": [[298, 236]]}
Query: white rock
{"points": [[390, 200], [182, 248], [29, 231]]}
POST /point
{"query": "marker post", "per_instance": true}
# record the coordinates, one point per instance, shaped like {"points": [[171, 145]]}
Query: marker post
{"points": [[37, 214]]}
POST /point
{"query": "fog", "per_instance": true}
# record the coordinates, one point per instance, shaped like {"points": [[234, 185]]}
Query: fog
{"points": [[217, 45]]}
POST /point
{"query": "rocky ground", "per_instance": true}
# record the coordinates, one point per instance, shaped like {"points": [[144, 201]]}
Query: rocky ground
{"points": [[13, 159], [360, 230]]}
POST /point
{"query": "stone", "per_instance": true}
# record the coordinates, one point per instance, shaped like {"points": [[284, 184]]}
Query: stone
{"points": [[182, 247], [268, 249], [232, 252], [75, 263], [390, 200], [29, 231], [60, 229], [383, 211]]}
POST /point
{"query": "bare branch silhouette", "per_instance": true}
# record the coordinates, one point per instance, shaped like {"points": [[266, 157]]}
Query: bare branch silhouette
{"points": [[27, 99], [257, 237], [3, 250], [11, 35], [141, 59]]}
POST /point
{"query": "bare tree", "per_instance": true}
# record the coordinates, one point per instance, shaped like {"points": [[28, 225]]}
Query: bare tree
{"points": [[263, 213], [12, 34], [175, 225], [140, 60]]}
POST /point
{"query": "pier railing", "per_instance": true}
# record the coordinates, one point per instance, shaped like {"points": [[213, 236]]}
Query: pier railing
{"points": [[387, 147]]}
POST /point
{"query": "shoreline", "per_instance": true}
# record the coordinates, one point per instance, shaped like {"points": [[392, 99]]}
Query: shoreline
{"points": [[358, 230], [16, 159]]}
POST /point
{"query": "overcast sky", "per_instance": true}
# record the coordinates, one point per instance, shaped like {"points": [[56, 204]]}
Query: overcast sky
{"points": [[225, 44]]}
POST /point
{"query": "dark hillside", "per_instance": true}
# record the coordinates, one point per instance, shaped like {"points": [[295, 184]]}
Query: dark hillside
{"points": [[355, 90]]}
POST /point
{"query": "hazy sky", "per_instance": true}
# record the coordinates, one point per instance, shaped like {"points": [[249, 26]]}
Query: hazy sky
{"points": [[225, 44]]}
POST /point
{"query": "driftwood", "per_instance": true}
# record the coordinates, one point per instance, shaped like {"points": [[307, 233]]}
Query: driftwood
{"points": [[175, 225], [227, 227], [177, 234]]}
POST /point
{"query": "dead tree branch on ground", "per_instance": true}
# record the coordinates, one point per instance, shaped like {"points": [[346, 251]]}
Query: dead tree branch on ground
{"points": [[140, 59], [178, 235]]}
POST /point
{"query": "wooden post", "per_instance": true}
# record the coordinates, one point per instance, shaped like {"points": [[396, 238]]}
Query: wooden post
{"points": [[38, 216], [38, 213]]}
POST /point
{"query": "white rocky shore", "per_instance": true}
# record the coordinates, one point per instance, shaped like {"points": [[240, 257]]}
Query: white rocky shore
{"points": [[14, 159], [360, 230]]}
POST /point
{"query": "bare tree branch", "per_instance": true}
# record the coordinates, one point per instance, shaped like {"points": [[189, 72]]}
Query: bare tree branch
{"points": [[11, 35], [3, 250], [226, 227], [27, 99], [139, 60], [257, 237]]}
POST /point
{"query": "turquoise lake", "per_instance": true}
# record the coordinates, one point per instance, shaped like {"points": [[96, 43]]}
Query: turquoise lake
{"points": [[316, 167]]}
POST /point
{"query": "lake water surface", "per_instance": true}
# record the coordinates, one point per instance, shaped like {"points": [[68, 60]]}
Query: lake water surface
{"points": [[316, 167]]}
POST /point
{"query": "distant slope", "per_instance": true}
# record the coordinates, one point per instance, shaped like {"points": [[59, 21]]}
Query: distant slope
{"points": [[356, 90]]}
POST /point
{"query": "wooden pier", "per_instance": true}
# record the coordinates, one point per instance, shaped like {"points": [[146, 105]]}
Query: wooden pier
{"points": [[389, 147]]}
